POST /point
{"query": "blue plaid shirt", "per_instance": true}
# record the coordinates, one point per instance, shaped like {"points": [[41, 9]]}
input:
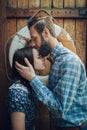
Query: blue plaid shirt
{"points": [[66, 95]]}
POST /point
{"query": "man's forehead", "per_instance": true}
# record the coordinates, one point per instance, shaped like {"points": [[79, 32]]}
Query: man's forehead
{"points": [[32, 30], [33, 33]]}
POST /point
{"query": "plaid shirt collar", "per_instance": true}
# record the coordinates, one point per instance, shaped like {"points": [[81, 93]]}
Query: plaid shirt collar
{"points": [[56, 51]]}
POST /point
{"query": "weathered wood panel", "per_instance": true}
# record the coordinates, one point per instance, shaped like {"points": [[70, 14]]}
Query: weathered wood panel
{"points": [[69, 26], [43, 121], [34, 3], [3, 78], [58, 3], [11, 25], [69, 3], [21, 23], [81, 39], [23, 4], [81, 3], [46, 3], [60, 22], [12, 3]]}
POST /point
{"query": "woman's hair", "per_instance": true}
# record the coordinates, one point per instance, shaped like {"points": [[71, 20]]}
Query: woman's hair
{"points": [[19, 56], [41, 23]]}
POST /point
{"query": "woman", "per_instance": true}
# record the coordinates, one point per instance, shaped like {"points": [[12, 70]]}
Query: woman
{"points": [[21, 100]]}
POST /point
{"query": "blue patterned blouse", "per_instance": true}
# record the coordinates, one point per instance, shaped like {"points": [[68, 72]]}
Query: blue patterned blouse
{"points": [[18, 101]]}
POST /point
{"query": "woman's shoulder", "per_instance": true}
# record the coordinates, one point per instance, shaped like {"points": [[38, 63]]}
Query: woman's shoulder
{"points": [[17, 92], [17, 98], [17, 87]]}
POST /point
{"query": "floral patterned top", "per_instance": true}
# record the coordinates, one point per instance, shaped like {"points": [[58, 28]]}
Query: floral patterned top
{"points": [[18, 101]]}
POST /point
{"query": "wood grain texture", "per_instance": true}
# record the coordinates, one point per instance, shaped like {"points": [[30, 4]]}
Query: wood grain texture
{"points": [[3, 78], [69, 3], [20, 23], [60, 22], [81, 39], [34, 3], [11, 24], [69, 26], [81, 3], [46, 3], [12, 3], [23, 4], [58, 3]]}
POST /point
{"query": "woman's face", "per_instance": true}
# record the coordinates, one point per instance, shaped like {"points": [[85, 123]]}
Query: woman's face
{"points": [[39, 62]]}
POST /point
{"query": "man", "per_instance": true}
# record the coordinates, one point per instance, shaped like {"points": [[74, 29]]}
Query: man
{"points": [[66, 95]]}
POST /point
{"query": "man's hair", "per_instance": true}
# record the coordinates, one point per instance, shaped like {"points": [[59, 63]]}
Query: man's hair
{"points": [[40, 23]]}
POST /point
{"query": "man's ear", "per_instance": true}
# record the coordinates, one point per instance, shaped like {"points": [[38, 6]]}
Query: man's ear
{"points": [[45, 33]]}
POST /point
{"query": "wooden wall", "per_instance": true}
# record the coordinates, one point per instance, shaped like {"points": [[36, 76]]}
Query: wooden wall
{"points": [[70, 15]]}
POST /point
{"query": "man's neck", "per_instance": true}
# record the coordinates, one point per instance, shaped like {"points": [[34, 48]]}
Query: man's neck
{"points": [[53, 43]]}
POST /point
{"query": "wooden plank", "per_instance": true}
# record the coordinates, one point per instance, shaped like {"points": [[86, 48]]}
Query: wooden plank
{"points": [[3, 35], [69, 26], [23, 4], [46, 3], [65, 13], [57, 13], [20, 23], [44, 121], [65, 34], [12, 3], [3, 78], [69, 3], [34, 3], [60, 22], [58, 3], [81, 39], [11, 24], [44, 13], [81, 3]]}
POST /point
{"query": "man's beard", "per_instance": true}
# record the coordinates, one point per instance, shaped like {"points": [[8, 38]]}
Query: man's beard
{"points": [[44, 49]]}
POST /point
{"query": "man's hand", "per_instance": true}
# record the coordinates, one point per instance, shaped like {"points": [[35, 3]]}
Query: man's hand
{"points": [[26, 72]]}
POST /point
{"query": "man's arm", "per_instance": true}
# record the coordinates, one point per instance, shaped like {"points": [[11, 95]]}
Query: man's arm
{"points": [[46, 96], [61, 98], [67, 85]]}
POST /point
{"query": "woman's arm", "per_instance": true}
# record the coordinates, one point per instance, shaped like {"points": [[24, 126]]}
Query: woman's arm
{"points": [[18, 121]]}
